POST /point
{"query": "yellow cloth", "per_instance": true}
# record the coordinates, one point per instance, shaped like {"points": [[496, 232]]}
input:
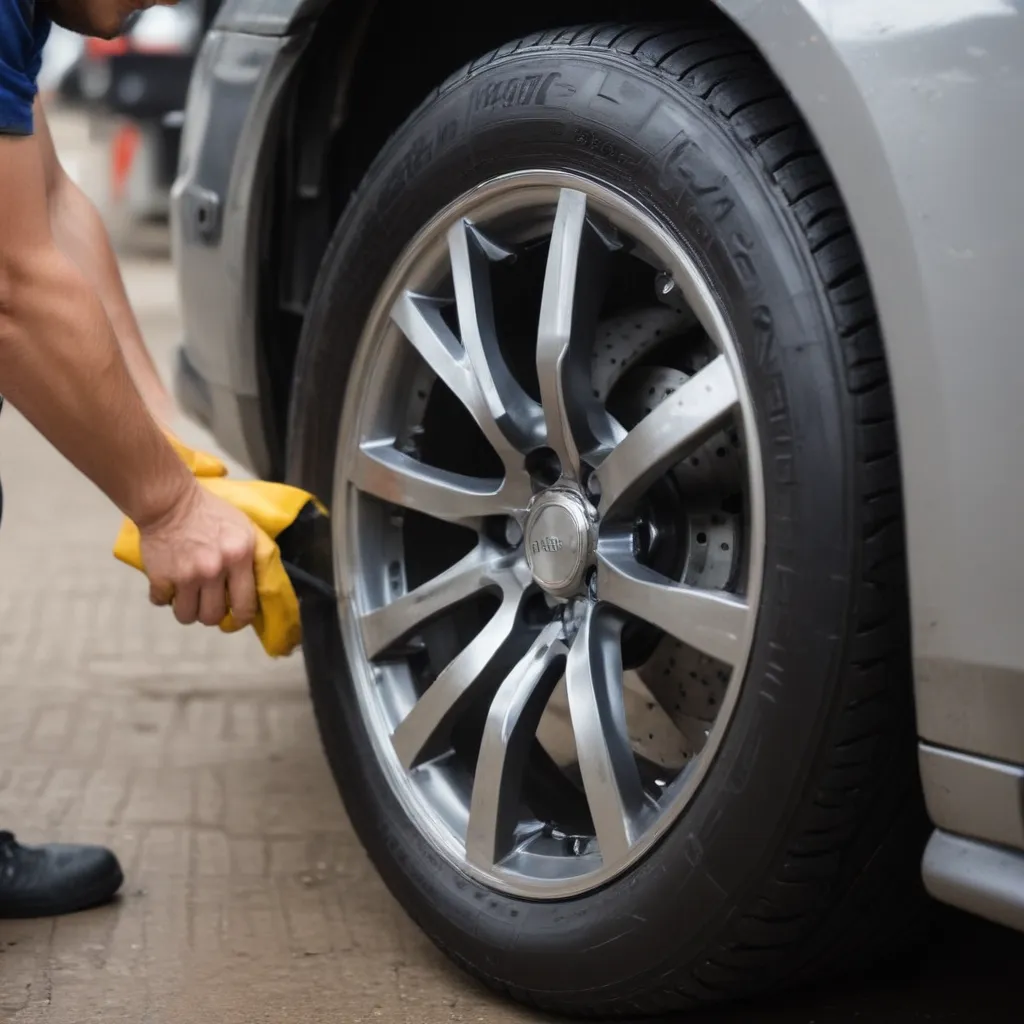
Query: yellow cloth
{"points": [[272, 507], [200, 463]]}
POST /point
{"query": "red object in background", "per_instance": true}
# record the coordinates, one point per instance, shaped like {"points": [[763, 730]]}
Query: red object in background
{"points": [[100, 48], [122, 155]]}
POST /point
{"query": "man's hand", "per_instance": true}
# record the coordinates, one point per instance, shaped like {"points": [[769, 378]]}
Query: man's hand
{"points": [[199, 557]]}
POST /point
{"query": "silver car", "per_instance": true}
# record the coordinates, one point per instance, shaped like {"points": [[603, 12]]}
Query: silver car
{"points": [[664, 380]]}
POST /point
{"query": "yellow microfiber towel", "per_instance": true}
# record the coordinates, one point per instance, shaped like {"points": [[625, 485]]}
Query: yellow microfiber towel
{"points": [[273, 508], [200, 463]]}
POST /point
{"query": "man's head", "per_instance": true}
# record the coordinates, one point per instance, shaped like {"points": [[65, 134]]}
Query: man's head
{"points": [[103, 18]]}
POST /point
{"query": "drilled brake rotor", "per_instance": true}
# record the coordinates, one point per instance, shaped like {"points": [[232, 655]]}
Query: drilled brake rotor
{"points": [[672, 699]]}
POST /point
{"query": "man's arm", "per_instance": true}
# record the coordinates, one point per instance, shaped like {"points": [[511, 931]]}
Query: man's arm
{"points": [[58, 361], [81, 235], [61, 367]]}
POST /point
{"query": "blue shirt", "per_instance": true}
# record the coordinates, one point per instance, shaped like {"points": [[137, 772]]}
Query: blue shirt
{"points": [[23, 32]]}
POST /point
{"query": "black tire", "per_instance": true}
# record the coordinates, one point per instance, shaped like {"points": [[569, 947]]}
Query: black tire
{"points": [[800, 853]]}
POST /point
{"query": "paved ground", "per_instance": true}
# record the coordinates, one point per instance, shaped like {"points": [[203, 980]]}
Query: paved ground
{"points": [[248, 898]]}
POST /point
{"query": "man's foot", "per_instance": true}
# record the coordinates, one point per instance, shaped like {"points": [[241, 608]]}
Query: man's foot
{"points": [[44, 881]]}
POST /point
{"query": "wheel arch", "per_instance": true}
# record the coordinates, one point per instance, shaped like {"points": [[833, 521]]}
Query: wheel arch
{"points": [[324, 147], [327, 137]]}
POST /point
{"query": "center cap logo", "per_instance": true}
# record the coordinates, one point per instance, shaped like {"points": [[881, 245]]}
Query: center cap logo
{"points": [[558, 541], [549, 544]]}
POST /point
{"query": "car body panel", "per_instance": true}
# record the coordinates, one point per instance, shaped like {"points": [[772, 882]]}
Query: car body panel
{"points": [[984, 879], [938, 211], [915, 107], [215, 234]]}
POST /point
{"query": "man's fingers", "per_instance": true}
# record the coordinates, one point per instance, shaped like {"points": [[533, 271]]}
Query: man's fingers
{"points": [[242, 592], [213, 602], [202, 562], [186, 603]]}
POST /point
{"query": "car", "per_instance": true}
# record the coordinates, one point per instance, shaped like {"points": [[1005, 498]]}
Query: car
{"points": [[660, 367]]}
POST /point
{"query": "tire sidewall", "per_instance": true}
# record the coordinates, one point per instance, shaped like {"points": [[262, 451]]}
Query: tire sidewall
{"points": [[604, 117]]}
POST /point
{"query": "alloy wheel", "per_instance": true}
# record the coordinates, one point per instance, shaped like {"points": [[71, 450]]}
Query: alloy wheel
{"points": [[549, 551]]}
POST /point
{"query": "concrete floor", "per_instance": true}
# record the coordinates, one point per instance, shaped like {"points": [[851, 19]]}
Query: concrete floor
{"points": [[248, 898]]}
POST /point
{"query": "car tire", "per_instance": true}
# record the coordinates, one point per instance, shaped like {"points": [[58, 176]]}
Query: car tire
{"points": [[799, 854]]}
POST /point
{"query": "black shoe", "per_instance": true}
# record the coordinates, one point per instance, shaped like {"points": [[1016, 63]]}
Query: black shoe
{"points": [[44, 881]]}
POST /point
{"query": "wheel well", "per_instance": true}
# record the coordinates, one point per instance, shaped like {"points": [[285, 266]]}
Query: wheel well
{"points": [[362, 74]]}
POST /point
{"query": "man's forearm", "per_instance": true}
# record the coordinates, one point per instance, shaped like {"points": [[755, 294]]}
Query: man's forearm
{"points": [[62, 368], [80, 234]]}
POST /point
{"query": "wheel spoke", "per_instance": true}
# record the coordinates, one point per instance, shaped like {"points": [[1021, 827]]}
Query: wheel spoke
{"points": [[420, 320], [593, 678], [509, 732], [711, 621], [662, 438], [386, 473], [574, 282], [516, 416], [424, 732], [483, 568]]}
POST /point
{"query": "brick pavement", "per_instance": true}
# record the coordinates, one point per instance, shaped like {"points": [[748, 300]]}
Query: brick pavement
{"points": [[247, 898]]}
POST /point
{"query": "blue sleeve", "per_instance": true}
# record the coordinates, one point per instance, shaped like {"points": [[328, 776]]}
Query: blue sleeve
{"points": [[20, 59]]}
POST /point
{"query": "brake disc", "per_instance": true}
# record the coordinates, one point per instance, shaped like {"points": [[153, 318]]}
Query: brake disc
{"points": [[622, 341], [676, 693], [672, 699]]}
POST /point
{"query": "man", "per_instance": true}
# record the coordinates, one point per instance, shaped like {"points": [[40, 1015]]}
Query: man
{"points": [[73, 362]]}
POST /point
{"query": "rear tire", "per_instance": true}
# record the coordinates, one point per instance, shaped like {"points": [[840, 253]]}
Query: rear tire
{"points": [[799, 855]]}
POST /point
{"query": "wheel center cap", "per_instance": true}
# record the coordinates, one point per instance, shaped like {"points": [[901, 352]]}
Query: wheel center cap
{"points": [[559, 541]]}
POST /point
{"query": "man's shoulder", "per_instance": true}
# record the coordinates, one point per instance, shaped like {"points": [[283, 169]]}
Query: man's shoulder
{"points": [[16, 19], [23, 32], [24, 28]]}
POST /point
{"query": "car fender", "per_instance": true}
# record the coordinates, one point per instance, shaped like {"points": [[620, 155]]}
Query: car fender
{"points": [[915, 106]]}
